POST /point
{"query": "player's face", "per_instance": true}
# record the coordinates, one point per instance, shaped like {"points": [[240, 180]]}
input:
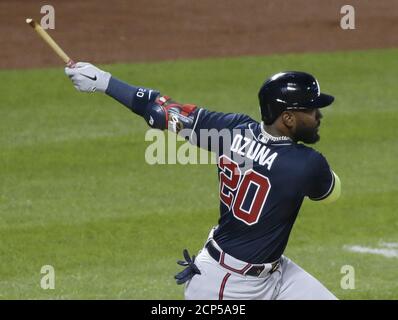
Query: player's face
{"points": [[307, 125]]}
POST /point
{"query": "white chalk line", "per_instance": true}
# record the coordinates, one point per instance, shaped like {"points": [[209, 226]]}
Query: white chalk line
{"points": [[388, 251], [389, 244]]}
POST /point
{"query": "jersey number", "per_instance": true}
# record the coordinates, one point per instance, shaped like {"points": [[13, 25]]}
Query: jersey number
{"points": [[234, 188]]}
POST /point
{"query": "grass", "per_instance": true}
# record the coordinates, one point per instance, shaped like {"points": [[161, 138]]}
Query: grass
{"points": [[77, 194]]}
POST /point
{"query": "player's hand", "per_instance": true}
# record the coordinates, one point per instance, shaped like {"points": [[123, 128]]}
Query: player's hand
{"points": [[88, 78], [190, 271]]}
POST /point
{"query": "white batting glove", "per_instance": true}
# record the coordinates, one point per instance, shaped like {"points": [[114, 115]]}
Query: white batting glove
{"points": [[88, 78]]}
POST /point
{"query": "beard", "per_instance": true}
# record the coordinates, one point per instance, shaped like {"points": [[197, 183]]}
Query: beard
{"points": [[307, 135]]}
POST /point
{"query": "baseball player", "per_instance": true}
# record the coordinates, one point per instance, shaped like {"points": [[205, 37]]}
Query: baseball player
{"points": [[264, 176]]}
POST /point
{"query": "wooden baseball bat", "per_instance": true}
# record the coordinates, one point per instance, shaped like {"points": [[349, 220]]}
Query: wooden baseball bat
{"points": [[53, 45]]}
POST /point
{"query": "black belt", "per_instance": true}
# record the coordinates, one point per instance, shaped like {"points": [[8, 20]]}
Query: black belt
{"points": [[254, 271]]}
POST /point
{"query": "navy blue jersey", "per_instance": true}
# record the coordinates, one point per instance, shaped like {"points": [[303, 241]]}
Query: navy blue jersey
{"points": [[262, 183], [262, 179]]}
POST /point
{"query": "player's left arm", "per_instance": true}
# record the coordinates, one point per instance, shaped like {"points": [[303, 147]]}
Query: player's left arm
{"points": [[324, 184], [160, 112], [199, 126]]}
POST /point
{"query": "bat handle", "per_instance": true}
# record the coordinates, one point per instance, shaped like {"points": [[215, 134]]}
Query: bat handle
{"points": [[70, 64]]}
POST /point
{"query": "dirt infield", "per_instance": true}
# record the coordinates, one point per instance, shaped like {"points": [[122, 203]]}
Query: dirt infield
{"points": [[124, 31]]}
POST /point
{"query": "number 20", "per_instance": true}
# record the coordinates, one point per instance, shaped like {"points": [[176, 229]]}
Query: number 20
{"points": [[234, 187]]}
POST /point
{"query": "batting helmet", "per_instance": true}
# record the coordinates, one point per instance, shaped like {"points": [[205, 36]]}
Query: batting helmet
{"points": [[291, 90]]}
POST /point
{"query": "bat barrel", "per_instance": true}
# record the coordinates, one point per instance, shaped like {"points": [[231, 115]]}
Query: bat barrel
{"points": [[50, 41]]}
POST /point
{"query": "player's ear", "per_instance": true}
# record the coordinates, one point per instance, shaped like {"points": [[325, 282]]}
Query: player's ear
{"points": [[288, 119]]}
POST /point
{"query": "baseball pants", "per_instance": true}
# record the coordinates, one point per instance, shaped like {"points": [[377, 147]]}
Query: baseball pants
{"points": [[226, 281]]}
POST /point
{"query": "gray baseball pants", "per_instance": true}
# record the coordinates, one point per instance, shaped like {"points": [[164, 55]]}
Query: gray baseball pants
{"points": [[226, 281]]}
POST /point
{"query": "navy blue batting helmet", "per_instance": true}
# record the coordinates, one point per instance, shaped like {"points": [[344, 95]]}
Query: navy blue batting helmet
{"points": [[290, 90]]}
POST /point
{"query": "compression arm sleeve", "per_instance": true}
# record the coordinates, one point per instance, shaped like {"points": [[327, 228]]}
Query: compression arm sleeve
{"points": [[160, 112], [335, 193]]}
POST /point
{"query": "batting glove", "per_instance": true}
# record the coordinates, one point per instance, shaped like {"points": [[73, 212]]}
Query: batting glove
{"points": [[88, 78], [189, 272]]}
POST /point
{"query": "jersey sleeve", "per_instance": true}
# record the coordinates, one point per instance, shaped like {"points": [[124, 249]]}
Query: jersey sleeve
{"points": [[320, 178], [206, 119], [210, 126]]}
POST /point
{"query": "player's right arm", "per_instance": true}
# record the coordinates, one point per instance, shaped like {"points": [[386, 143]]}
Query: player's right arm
{"points": [[322, 183]]}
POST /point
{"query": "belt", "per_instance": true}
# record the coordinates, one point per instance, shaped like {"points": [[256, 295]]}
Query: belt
{"points": [[249, 269]]}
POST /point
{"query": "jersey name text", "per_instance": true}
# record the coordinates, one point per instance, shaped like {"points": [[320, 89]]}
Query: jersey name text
{"points": [[253, 150]]}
